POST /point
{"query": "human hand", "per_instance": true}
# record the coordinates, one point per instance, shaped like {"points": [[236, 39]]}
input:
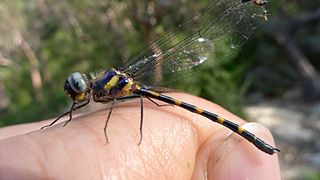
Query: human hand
{"points": [[176, 144]]}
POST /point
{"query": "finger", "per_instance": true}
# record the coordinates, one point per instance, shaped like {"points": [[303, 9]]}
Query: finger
{"points": [[20, 129], [232, 157]]}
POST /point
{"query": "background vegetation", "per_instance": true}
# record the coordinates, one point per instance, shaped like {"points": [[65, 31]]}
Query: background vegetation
{"points": [[43, 41]]}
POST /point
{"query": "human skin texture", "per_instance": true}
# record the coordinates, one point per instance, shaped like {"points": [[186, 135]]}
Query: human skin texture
{"points": [[176, 144]]}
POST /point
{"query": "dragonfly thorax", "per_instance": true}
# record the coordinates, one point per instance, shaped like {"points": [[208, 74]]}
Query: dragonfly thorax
{"points": [[112, 84]]}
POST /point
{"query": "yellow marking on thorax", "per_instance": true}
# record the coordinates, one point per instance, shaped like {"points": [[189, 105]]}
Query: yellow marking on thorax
{"points": [[199, 110], [128, 87], [240, 130], [220, 120], [113, 81]]}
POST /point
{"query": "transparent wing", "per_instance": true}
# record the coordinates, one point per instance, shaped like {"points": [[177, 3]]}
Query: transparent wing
{"points": [[216, 32]]}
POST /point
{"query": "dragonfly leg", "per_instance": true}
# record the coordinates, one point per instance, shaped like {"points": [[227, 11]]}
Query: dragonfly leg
{"points": [[159, 105], [141, 118], [70, 115], [73, 109], [68, 112], [109, 115]]}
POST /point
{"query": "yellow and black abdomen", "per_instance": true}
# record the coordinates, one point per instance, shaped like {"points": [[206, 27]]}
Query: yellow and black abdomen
{"points": [[259, 143]]}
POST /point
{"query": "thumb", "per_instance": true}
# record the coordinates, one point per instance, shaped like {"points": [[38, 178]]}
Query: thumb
{"points": [[235, 158]]}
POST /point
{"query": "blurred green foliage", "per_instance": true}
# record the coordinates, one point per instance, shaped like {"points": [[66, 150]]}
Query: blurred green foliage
{"points": [[310, 174], [68, 36]]}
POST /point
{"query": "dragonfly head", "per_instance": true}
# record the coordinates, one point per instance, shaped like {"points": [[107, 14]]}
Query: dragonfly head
{"points": [[77, 87]]}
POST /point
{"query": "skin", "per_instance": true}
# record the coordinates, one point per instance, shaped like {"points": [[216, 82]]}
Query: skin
{"points": [[176, 144]]}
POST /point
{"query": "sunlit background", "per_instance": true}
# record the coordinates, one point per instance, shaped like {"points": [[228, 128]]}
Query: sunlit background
{"points": [[274, 79]]}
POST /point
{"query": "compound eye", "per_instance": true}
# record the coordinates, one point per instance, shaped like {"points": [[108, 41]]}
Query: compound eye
{"points": [[77, 82]]}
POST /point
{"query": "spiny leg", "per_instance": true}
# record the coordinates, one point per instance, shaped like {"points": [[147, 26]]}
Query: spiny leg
{"points": [[159, 105], [73, 109], [53, 122], [141, 118], [141, 113], [110, 111], [68, 112], [70, 115], [109, 115]]}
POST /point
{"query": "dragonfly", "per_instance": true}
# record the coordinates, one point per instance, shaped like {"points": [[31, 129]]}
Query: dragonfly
{"points": [[216, 32]]}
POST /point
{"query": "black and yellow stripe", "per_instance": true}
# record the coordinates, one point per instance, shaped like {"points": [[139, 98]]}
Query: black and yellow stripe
{"points": [[259, 143]]}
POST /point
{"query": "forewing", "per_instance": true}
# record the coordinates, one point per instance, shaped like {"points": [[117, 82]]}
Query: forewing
{"points": [[215, 33]]}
